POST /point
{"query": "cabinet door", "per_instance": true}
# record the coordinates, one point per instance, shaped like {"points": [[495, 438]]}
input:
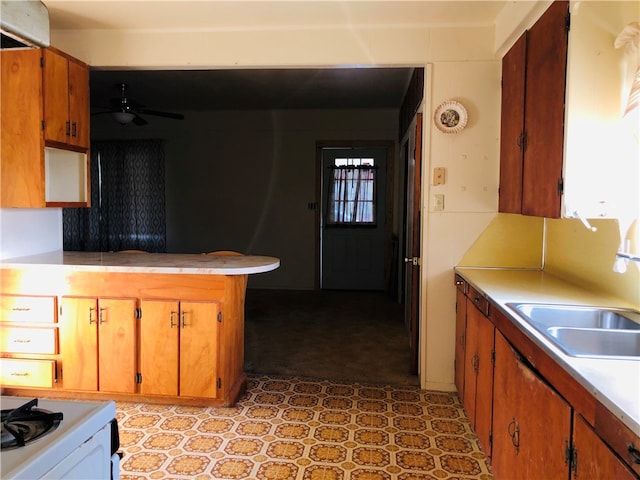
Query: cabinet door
{"points": [[461, 325], [484, 386], [544, 112], [512, 127], [593, 458], [79, 343], [531, 422], [471, 361], [199, 349], [117, 345], [22, 174], [79, 104], [159, 336], [56, 97]]}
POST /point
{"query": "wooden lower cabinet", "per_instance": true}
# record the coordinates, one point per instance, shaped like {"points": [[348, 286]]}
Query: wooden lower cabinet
{"points": [[178, 348], [592, 458], [461, 327], [478, 373], [98, 344], [531, 422]]}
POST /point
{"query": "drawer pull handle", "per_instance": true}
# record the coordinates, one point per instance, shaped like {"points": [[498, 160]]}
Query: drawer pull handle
{"points": [[21, 309], [634, 453], [19, 374], [22, 340]]}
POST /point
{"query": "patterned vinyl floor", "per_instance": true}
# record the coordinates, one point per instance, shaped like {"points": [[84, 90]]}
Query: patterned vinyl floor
{"points": [[303, 429]]}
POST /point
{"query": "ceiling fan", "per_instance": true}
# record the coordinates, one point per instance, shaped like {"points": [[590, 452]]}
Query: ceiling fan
{"points": [[126, 110]]}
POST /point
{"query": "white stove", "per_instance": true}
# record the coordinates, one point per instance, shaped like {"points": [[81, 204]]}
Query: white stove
{"points": [[81, 447]]}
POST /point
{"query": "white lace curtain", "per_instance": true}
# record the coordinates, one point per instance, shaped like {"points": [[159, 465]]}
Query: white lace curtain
{"points": [[352, 196]]}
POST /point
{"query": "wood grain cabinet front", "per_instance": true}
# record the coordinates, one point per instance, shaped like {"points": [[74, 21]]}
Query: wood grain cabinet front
{"points": [[531, 421], [178, 348], [98, 344], [532, 123], [66, 99], [27, 372], [44, 129]]}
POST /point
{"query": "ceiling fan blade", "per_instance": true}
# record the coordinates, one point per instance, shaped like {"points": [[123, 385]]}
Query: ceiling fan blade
{"points": [[175, 116], [138, 120]]}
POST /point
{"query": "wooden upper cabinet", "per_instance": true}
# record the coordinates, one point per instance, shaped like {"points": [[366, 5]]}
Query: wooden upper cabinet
{"points": [[532, 125], [66, 99], [44, 127], [512, 126], [22, 153], [544, 112]]}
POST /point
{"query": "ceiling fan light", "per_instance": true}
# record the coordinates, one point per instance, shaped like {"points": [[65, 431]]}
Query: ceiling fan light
{"points": [[123, 117]]}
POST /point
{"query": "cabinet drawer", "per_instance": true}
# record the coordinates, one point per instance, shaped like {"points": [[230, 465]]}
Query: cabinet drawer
{"points": [[15, 308], [27, 373], [479, 300], [28, 340]]}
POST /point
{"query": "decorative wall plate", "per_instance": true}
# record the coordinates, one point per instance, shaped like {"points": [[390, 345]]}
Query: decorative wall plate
{"points": [[450, 117]]}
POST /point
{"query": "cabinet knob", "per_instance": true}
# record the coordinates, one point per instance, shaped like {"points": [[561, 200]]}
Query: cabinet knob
{"points": [[634, 453]]}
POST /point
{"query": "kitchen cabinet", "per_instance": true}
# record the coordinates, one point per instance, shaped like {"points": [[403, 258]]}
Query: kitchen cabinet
{"points": [[461, 327], [28, 340], [66, 99], [476, 364], [40, 165], [531, 422], [592, 458], [139, 336], [178, 348], [98, 344], [532, 123], [544, 422]]}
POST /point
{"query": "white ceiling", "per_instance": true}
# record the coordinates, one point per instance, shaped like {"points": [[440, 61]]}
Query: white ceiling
{"points": [[274, 88]]}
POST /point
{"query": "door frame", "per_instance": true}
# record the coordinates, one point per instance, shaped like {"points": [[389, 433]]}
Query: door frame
{"points": [[388, 207]]}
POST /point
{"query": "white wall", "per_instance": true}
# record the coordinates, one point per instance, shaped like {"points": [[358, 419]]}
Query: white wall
{"points": [[26, 231]]}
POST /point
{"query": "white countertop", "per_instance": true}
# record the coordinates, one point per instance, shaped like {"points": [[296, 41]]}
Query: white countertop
{"points": [[615, 383], [186, 263]]}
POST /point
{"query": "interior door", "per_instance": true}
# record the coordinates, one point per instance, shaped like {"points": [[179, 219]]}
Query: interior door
{"points": [[412, 242], [352, 256]]}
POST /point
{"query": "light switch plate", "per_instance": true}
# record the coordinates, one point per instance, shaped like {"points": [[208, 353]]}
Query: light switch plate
{"points": [[438, 202]]}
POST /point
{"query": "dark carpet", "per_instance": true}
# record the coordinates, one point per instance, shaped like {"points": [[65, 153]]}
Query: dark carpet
{"points": [[334, 335]]}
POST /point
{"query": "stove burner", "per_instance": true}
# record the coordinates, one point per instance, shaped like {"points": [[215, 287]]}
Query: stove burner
{"points": [[26, 423]]}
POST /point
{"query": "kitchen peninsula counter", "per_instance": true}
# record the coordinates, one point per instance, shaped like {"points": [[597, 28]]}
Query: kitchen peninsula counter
{"points": [[170, 263], [154, 327]]}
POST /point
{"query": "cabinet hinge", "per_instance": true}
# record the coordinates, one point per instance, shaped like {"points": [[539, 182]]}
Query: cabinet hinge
{"points": [[493, 358], [560, 186], [522, 141], [219, 317], [570, 457], [219, 382], [60, 310], [42, 62], [567, 22], [42, 125], [138, 378], [490, 439], [138, 313]]}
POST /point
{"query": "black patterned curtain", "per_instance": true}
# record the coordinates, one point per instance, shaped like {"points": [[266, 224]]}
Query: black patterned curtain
{"points": [[127, 200]]}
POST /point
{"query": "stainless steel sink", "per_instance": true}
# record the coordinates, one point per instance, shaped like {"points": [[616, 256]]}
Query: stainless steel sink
{"points": [[583, 331], [545, 316], [593, 342]]}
